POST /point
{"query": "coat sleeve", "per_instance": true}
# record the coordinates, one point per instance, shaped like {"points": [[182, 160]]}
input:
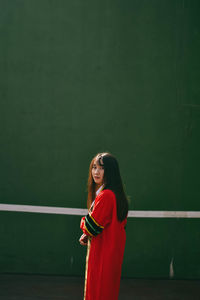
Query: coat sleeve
{"points": [[94, 223]]}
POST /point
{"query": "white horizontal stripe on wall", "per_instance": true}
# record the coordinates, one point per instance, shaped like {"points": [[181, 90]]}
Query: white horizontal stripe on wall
{"points": [[163, 214], [82, 212], [43, 209]]}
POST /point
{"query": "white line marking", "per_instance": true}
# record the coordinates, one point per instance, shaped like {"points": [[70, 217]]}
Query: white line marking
{"points": [[43, 209], [82, 211], [163, 214]]}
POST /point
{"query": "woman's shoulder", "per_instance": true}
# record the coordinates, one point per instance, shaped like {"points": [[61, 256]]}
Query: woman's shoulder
{"points": [[106, 199], [107, 193]]}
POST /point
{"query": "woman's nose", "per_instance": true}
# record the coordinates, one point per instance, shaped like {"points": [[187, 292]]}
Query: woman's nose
{"points": [[96, 171]]}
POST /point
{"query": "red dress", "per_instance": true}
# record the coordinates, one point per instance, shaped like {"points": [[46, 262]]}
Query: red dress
{"points": [[105, 249]]}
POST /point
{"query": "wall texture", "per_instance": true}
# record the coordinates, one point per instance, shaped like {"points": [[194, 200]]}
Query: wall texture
{"points": [[80, 77]]}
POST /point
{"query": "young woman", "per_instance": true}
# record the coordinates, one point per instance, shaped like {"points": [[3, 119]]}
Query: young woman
{"points": [[104, 229]]}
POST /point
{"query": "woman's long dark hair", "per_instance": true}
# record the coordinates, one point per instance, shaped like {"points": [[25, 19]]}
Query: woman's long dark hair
{"points": [[112, 181]]}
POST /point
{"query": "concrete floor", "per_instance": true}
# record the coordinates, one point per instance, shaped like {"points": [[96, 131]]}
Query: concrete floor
{"points": [[32, 287]]}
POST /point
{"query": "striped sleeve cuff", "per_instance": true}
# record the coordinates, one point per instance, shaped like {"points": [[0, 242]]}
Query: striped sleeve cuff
{"points": [[91, 226]]}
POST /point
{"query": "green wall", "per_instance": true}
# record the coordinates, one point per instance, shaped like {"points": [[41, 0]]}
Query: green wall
{"points": [[79, 77]]}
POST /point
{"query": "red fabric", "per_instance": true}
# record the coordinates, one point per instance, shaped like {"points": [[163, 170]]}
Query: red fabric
{"points": [[106, 251]]}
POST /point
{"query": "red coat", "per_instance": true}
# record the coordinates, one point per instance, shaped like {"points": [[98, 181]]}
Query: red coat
{"points": [[106, 250]]}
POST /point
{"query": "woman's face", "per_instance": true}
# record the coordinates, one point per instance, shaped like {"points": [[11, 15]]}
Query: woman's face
{"points": [[97, 173]]}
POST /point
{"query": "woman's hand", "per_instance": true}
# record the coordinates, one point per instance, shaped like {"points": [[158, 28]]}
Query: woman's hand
{"points": [[83, 240]]}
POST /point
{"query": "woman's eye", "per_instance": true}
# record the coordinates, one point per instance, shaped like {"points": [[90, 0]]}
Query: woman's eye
{"points": [[99, 168]]}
